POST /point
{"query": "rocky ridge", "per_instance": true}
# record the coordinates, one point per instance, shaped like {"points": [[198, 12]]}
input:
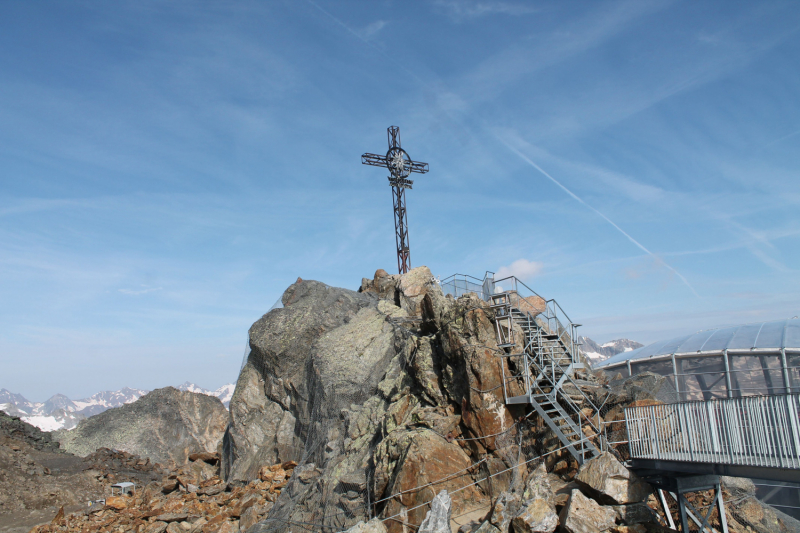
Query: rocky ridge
{"points": [[165, 425]]}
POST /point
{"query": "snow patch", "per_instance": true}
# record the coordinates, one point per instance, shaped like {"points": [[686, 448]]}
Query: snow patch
{"points": [[45, 423]]}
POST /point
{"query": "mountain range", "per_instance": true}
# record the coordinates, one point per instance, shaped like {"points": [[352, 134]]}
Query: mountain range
{"points": [[600, 352], [60, 412]]}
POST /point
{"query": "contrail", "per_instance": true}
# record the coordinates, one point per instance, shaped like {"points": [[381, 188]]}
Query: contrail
{"points": [[371, 45], [578, 199]]}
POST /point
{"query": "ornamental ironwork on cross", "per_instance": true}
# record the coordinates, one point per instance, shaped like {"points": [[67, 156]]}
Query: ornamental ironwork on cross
{"points": [[400, 166]]}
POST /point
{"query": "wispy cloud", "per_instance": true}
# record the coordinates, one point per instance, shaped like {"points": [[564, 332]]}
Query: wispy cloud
{"points": [[371, 29], [138, 292], [604, 217], [461, 10]]}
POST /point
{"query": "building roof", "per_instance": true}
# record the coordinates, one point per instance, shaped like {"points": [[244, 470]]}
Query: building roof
{"points": [[768, 336]]}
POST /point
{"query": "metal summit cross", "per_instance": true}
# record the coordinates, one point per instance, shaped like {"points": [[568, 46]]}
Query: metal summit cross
{"points": [[400, 167]]}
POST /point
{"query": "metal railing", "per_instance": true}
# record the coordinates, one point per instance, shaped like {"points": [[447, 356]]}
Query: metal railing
{"points": [[460, 284], [759, 431]]}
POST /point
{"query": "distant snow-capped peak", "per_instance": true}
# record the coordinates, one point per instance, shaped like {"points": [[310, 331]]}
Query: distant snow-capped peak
{"points": [[59, 412], [224, 393], [596, 352]]}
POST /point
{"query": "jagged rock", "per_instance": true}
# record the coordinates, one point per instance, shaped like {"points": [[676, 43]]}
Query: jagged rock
{"points": [[438, 518], [536, 516], [537, 513], [163, 425], [390, 376], [417, 457], [584, 515], [504, 510], [635, 513], [486, 527], [18, 430], [292, 372], [373, 526], [613, 483], [539, 485]]}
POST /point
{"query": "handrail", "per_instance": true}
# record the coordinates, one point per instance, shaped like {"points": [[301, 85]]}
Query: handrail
{"points": [[761, 431]]}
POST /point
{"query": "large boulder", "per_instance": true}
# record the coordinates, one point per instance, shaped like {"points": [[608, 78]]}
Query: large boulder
{"points": [[536, 516], [166, 425], [611, 482], [410, 459], [584, 515]]}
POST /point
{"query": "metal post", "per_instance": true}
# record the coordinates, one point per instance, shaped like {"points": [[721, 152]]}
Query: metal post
{"points": [[727, 372], [792, 410], [664, 506], [682, 512], [677, 378], [721, 504], [787, 383]]}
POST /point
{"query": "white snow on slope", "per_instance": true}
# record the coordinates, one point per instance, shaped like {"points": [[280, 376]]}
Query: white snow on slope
{"points": [[59, 412]]}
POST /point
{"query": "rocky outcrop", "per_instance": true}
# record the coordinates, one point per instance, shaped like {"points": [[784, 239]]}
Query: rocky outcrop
{"points": [[165, 426], [376, 393], [612, 482], [15, 428], [584, 515]]}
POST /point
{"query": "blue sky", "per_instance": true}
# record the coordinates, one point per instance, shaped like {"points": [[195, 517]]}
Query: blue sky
{"points": [[167, 169]]}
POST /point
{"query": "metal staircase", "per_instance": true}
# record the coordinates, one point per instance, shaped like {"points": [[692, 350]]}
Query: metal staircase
{"points": [[546, 366]]}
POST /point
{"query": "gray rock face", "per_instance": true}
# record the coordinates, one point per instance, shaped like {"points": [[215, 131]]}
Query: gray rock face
{"points": [[165, 425], [635, 513], [614, 483], [584, 515], [438, 518], [297, 366]]}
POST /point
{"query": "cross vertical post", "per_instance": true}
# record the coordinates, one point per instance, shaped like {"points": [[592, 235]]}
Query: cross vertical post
{"points": [[400, 166]]}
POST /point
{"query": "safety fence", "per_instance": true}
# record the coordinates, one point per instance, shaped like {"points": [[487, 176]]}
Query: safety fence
{"points": [[760, 431]]}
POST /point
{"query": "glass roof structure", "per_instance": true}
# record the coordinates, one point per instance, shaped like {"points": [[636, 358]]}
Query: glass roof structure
{"points": [[747, 360], [759, 337]]}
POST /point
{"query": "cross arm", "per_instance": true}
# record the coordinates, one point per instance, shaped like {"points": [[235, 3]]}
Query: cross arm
{"points": [[416, 166], [377, 160], [374, 159]]}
